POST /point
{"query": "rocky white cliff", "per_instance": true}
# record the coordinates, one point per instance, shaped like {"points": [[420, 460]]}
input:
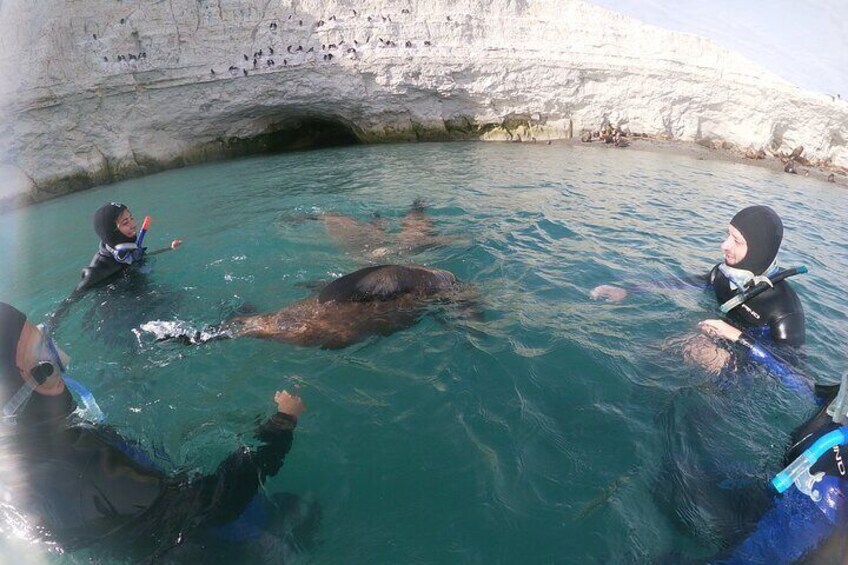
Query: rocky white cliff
{"points": [[96, 90]]}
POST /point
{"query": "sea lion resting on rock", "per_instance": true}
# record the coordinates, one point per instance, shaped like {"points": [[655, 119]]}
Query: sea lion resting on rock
{"points": [[377, 300], [372, 240]]}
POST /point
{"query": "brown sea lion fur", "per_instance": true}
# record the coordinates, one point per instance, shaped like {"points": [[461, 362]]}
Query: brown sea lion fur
{"points": [[373, 241], [377, 300]]}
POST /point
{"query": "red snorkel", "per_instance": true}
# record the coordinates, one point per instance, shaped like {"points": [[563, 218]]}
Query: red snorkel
{"points": [[144, 225]]}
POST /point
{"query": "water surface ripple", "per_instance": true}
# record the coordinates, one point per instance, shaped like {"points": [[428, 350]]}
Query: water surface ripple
{"points": [[557, 430]]}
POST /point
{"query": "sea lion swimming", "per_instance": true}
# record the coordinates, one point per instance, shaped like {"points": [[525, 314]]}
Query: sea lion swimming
{"points": [[378, 300], [373, 241]]}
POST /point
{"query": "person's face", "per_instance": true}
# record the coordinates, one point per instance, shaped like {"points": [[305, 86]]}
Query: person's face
{"points": [[734, 247], [127, 224], [33, 349]]}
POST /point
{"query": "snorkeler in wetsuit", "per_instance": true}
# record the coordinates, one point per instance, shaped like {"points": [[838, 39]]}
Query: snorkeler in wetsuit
{"points": [[809, 520], [118, 230], [119, 250], [774, 315], [77, 483]]}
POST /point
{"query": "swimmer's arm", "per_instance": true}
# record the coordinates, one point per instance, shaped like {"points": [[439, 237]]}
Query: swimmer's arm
{"points": [[174, 244], [225, 493], [784, 373], [759, 354], [686, 282], [54, 318], [277, 433], [618, 293]]}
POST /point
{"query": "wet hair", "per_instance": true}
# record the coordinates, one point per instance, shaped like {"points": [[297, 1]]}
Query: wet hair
{"points": [[763, 232], [106, 224]]}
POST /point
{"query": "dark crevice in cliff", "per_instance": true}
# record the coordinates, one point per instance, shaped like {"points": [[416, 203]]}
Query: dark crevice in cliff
{"points": [[294, 134]]}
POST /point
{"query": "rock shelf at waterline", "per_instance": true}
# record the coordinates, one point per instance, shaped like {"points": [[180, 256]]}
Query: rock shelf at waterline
{"points": [[92, 93]]}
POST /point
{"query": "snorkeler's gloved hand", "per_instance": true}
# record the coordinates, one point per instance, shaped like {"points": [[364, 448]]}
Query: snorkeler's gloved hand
{"points": [[289, 404], [608, 292], [720, 329]]}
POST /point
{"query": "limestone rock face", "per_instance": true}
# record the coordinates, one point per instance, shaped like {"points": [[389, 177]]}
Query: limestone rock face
{"points": [[97, 90]]}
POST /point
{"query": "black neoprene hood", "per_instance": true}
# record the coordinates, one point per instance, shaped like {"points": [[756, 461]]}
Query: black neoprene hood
{"points": [[763, 232], [106, 224]]}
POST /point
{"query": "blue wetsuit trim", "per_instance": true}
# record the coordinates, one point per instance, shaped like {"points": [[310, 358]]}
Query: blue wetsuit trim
{"points": [[777, 367], [785, 533]]}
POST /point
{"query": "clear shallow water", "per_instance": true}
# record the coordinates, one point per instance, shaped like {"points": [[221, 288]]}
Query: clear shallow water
{"points": [[558, 430]]}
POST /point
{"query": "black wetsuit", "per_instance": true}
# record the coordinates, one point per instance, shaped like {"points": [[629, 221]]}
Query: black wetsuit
{"points": [[774, 316], [103, 266], [777, 313], [102, 269], [81, 484]]}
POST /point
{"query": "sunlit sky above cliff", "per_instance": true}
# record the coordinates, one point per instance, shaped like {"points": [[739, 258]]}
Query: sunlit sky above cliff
{"points": [[803, 41]]}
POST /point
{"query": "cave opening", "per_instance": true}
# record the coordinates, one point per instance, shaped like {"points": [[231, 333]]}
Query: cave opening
{"points": [[296, 135]]}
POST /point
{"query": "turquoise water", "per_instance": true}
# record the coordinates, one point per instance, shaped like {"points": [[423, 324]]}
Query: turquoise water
{"points": [[558, 430]]}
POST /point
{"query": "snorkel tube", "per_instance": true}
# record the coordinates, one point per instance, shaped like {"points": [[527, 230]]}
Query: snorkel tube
{"points": [[798, 472], [760, 287], [128, 252], [142, 232]]}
